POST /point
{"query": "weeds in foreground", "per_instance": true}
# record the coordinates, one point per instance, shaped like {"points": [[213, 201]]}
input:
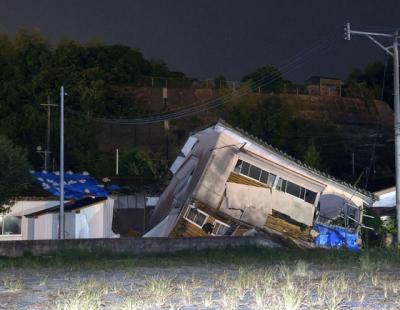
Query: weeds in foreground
{"points": [[85, 295], [158, 289], [262, 280], [12, 284], [291, 297], [43, 281]]}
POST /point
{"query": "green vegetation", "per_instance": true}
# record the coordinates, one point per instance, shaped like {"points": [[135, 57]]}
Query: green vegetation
{"points": [[14, 173], [375, 81], [32, 70], [312, 157], [245, 256], [136, 162], [267, 74], [273, 120]]}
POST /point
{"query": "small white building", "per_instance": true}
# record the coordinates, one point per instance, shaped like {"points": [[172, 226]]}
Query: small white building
{"points": [[386, 203], [386, 198], [38, 219]]}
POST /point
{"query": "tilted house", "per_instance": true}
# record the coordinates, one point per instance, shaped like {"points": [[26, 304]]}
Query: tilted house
{"points": [[226, 182]]}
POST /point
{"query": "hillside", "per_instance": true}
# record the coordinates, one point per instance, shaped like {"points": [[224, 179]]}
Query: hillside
{"points": [[364, 128]]}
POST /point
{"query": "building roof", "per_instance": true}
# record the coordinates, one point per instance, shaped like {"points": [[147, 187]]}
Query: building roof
{"points": [[69, 206], [297, 162], [385, 191], [76, 185]]}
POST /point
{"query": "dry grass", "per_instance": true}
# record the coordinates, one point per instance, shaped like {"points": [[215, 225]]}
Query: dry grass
{"points": [[85, 295], [300, 283], [12, 284]]}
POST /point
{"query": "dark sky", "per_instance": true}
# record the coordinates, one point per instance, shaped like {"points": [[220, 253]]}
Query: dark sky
{"points": [[210, 37]]}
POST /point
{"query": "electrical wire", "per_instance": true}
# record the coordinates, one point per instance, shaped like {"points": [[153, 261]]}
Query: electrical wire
{"points": [[368, 172], [201, 108], [294, 62]]}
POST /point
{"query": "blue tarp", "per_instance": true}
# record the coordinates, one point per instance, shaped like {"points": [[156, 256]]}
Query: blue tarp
{"points": [[76, 185], [335, 237]]}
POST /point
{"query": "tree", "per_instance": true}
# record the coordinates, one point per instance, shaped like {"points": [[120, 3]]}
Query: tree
{"points": [[312, 157], [14, 173], [159, 67], [374, 82], [31, 69], [270, 119], [266, 74], [137, 162]]}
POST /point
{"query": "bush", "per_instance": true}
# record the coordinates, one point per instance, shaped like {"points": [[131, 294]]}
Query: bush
{"points": [[136, 162]]}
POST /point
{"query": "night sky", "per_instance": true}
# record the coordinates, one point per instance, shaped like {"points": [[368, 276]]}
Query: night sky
{"points": [[209, 37]]}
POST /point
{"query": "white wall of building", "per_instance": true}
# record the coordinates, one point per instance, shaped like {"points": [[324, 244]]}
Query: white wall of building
{"points": [[94, 221], [22, 207]]}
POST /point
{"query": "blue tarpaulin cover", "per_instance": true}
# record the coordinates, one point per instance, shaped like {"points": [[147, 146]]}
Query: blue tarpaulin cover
{"points": [[76, 185], [335, 237]]}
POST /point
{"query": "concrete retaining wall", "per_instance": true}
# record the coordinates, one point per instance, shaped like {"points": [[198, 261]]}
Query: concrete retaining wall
{"points": [[127, 245]]}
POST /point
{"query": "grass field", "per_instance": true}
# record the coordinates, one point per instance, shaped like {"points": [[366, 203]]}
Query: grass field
{"points": [[247, 278]]}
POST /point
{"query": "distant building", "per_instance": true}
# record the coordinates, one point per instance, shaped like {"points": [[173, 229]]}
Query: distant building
{"points": [[324, 86]]}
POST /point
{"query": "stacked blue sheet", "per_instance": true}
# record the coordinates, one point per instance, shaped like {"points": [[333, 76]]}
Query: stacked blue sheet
{"points": [[76, 185], [335, 237]]}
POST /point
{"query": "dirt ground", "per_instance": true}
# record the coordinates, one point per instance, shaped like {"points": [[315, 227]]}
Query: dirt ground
{"points": [[169, 283]]}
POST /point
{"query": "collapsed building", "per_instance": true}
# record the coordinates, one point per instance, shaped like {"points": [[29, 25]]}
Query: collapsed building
{"points": [[228, 183]]}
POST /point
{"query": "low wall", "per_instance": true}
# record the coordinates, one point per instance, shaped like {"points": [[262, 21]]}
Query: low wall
{"points": [[128, 245]]}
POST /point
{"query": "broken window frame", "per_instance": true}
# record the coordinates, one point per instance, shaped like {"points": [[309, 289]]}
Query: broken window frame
{"points": [[190, 207], [219, 227], [303, 194], [244, 168]]}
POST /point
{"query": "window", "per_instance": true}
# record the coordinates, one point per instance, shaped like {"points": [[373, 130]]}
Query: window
{"points": [[281, 185], [245, 168], [195, 216], [296, 190], [10, 225], [220, 229], [264, 177], [293, 189], [238, 166], [254, 172], [310, 196]]}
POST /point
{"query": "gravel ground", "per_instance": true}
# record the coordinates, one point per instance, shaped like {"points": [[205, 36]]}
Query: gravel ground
{"points": [[125, 284]]}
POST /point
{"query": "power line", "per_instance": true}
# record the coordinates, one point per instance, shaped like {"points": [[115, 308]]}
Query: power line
{"points": [[392, 50], [212, 105], [294, 62]]}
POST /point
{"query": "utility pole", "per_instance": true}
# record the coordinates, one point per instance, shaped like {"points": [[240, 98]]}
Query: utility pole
{"points": [[392, 50], [116, 162], [47, 151], [61, 233]]}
